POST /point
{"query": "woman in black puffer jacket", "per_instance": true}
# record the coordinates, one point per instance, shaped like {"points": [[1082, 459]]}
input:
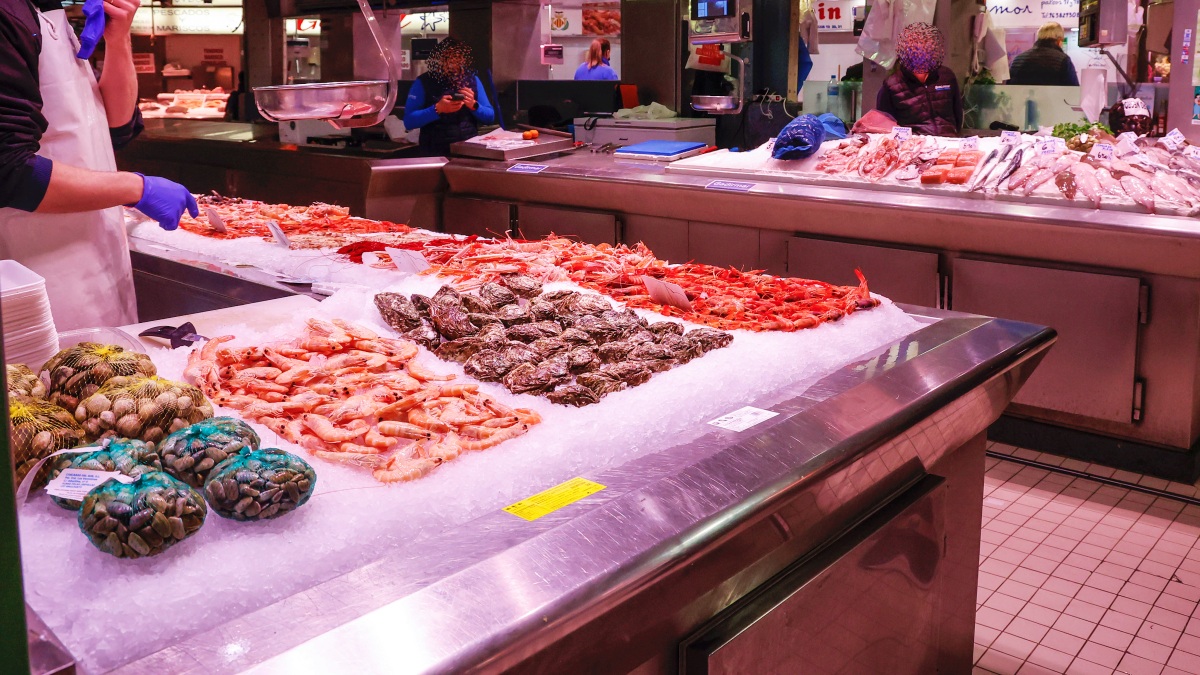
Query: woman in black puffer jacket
{"points": [[922, 93]]}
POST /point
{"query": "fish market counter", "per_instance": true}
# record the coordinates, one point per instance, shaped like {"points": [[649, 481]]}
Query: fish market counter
{"points": [[838, 530], [1121, 287], [247, 160]]}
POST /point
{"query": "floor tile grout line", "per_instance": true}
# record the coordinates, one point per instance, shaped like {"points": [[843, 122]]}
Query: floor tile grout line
{"points": [[1099, 479]]}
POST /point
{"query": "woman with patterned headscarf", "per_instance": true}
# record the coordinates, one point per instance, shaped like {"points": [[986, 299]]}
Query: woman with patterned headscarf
{"points": [[922, 93], [447, 103]]}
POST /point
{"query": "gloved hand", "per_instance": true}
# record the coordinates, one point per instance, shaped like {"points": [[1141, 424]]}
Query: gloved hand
{"points": [[165, 201], [93, 27]]}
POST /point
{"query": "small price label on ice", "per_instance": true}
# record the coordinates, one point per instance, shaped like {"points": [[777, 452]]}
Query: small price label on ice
{"points": [[742, 418], [901, 133], [1102, 151], [409, 262], [277, 232], [1174, 139], [524, 167], [971, 143], [1127, 136], [1124, 147], [667, 293], [214, 219], [1192, 152], [1047, 147], [1010, 137], [76, 483]]}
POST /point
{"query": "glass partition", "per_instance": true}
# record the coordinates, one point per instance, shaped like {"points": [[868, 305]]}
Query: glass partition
{"points": [[846, 104]]}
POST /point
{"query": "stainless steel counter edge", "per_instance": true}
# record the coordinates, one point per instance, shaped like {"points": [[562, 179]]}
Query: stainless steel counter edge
{"points": [[588, 166], [497, 587]]}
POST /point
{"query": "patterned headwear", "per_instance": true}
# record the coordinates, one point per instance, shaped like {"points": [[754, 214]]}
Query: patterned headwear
{"points": [[450, 63], [921, 48]]}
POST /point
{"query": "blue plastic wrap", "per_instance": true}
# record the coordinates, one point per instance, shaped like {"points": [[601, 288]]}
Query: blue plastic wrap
{"points": [[799, 139], [142, 518], [191, 453], [259, 485]]}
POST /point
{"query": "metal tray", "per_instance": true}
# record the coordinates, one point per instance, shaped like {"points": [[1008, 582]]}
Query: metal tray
{"points": [[546, 145]]}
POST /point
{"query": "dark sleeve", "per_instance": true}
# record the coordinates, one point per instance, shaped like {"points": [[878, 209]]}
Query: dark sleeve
{"points": [[122, 135], [883, 100], [1069, 74], [24, 175], [958, 102]]}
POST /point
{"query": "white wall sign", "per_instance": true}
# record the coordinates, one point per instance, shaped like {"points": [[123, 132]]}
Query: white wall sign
{"points": [[1033, 13], [565, 22], [835, 15]]}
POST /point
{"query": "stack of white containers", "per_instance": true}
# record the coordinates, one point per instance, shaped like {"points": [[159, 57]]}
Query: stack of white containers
{"points": [[29, 334]]}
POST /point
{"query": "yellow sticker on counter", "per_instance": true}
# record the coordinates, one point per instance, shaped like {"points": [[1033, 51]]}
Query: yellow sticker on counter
{"points": [[553, 499]]}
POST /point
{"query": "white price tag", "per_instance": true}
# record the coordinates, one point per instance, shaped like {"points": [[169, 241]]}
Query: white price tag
{"points": [[277, 232], [971, 143], [1192, 152], [742, 418], [1174, 139], [1102, 151], [1010, 137], [214, 219], [1125, 147], [76, 483], [901, 133], [667, 293], [1135, 106], [1127, 136], [409, 262], [1047, 147]]}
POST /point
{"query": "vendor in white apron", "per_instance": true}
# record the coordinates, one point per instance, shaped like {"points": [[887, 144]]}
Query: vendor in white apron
{"points": [[60, 191]]}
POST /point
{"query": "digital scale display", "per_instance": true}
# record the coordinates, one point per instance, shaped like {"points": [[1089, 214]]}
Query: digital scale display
{"points": [[712, 9]]}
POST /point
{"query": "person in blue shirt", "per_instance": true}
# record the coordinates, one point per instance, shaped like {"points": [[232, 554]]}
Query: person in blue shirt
{"points": [[447, 103], [597, 67]]}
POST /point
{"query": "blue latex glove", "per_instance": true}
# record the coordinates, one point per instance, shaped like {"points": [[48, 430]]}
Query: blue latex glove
{"points": [[165, 201], [93, 27]]}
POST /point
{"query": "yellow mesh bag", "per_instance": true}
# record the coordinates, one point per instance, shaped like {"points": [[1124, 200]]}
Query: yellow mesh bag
{"points": [[78, 372], [23, 381], [37, 429], [143, 408]]}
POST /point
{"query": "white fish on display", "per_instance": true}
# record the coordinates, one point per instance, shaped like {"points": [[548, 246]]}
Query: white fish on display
{"points": [[1137, 189], [1086, 181]]}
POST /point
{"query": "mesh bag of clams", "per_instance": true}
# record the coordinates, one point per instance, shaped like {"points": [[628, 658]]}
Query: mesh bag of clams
{"points": [[78, 372], [36, 430], [142, 518], [22, 380], [145, 408], [189, 454], [127, 457], [260, 485]]}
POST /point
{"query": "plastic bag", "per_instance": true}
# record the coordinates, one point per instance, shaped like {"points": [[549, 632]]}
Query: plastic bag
{"points": [[801, 138], [835, 128], [37, 429], [885, 20], [131, 458], [146, 408], [23, 381], [191, 453], [708, 57], [78, 372], [142, 518], [260, 485]]}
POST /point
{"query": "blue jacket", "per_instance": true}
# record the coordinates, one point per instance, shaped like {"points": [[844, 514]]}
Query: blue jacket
{"points": [[600, 72], [418, 113]]}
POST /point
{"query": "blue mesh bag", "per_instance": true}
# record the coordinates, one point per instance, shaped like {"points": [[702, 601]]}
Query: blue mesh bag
{"points": [[142, 518], [799, 139], [191, 453], [129, 457], [259, 485]]}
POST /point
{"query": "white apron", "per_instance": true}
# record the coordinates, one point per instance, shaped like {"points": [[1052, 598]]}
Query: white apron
{"points": [[83, 256]]}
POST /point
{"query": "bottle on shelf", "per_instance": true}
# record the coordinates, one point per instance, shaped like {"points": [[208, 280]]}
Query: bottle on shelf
{"points": [[832, 91]]}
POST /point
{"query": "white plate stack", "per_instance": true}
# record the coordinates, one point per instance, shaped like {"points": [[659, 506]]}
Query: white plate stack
{"points": [[29, 334]]}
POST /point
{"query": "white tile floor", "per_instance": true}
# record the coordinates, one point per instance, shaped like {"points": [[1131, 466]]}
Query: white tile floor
{"points": [[1080, 577]]}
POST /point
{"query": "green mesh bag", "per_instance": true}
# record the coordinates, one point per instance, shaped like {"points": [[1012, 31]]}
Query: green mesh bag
{"points": [[259, 485], [128, 457], [191, 453], [142, 518]]}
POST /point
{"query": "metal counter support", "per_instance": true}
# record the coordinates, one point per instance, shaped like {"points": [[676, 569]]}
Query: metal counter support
{"points": [[1121, 288], [614, 583]]}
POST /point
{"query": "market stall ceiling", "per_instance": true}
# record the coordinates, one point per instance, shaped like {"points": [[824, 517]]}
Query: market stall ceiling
{"points": [[306, 7]]}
